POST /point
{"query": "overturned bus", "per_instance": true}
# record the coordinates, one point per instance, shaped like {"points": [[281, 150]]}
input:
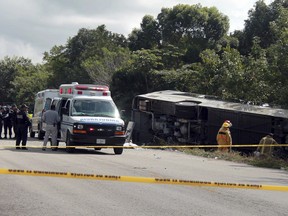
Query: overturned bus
{"points": [[188, 118]]}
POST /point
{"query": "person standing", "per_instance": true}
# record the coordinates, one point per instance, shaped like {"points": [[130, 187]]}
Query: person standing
{"points": [[14, 111], [224, 136], [51, 118], [1, 120], [7, 123], [23, 122]]}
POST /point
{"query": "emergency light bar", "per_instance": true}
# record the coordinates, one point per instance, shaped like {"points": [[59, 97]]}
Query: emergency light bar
{"points": [[74, 89], [95, 88]]}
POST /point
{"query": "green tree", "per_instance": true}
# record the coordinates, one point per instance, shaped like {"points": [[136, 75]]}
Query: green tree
{"points": [[257, 25], [210, 79], [135, 78], [102, 67], [9, 68], [263, 23], [67, 62], [57, 64], [192, 28], [277, 55], [34, 78], [258, 85], [148, 37]]}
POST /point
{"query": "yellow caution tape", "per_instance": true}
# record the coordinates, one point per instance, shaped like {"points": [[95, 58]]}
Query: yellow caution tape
{"points": [[141, 179], [169, 146]]}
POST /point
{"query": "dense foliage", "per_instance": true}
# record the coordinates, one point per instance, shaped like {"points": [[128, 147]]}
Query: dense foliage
{"points": [[186, 48]]}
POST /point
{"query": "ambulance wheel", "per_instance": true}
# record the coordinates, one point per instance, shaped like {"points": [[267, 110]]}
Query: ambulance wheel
{"points": [[32, 134], [41, 135], [68, 143], [118, 151]]}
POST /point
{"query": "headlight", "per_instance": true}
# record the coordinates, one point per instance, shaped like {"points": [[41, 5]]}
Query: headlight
{"points": [[119, 128], [80, 126], [119, 131]]}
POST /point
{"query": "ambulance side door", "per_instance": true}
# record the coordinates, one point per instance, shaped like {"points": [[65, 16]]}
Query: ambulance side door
{"points": [[65, 119]]}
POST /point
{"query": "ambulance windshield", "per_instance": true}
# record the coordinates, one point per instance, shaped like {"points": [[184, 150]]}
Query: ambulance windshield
{"points": [[102, 108]]}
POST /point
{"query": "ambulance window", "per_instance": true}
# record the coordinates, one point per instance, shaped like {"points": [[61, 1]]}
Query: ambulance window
{"points": [[94, 108], [87, 106], [47, 103]]}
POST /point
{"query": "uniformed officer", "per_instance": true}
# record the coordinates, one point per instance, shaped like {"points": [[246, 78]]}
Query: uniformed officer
{"points": [[23, 122], [14, 111], [7, 123], [1, 120]]}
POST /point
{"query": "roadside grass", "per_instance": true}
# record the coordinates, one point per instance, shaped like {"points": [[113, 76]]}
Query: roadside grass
{"points": [[273, 162], [263, 161]]}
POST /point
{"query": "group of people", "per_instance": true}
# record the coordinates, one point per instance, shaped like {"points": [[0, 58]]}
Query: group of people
{"points": [[18, 121], [224, 140], [8, 121], [15, 121]]}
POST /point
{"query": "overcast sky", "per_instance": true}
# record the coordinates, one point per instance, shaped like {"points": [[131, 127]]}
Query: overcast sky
{"points": [[28, 28]]}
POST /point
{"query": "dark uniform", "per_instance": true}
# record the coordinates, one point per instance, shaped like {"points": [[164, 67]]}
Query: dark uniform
{"points": [[7, 123], [1, 121], [23, 122], [13, 114]]}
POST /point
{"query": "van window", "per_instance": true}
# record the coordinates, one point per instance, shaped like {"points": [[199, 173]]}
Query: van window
{"points": [[38, 107]]}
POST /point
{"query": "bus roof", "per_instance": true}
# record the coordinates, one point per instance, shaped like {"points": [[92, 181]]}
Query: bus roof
{"points": [[213, 102]]}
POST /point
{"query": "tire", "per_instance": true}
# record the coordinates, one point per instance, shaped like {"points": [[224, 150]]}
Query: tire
{"points": [[97, 149], [32, 134], [68, 143], [41, 135], [118, 151]]}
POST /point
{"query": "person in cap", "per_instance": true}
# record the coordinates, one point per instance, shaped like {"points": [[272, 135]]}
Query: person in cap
{"points": [[23, 123], [51, 118], [266, 150], [224, 136]]}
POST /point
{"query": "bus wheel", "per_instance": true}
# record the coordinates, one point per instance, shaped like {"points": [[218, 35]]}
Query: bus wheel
{"points": [[32, 134]]}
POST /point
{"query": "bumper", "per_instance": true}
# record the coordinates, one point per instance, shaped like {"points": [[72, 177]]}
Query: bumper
{"points": [[86, 140]]}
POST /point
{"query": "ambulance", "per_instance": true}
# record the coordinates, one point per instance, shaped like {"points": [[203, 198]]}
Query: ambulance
{"points": [[89, 117], [43, 100]]}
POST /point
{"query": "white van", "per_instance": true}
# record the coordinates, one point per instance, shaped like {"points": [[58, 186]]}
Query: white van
{"points": [[43, 100], [89, 117]]}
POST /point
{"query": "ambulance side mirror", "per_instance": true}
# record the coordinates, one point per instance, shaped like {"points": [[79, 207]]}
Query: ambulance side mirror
{"points": [[122, 112]]}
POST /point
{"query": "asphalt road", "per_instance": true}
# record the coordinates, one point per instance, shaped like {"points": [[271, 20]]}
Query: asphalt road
{"points": [[36, 195]]}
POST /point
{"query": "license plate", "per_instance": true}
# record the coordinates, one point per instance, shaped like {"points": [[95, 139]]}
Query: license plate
{"points": [[100, 141]]}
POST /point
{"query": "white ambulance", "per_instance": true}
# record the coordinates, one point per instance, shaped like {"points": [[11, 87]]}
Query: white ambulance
{"points": [[43, 100], [89, 117]]}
